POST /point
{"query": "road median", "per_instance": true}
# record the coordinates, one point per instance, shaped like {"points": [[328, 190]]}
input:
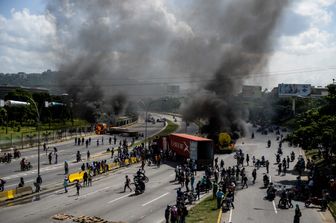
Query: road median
{"points": [[204, 212]]}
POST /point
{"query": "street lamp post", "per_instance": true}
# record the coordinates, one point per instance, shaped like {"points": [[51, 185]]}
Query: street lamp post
{"points": [[38, 133]]}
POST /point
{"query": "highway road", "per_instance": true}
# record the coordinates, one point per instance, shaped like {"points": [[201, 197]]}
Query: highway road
{"points": [[249, 203], [54, 173], [105, 198]]}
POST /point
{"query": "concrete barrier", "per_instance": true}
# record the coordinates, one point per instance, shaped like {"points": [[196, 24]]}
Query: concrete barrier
{"points": [[127, 162], [3, 195], [76, 176], [22, 191], [112, 166]]}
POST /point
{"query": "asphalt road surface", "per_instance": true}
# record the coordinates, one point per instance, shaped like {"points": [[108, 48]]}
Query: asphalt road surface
{"points": [[105, 198], [249, 203], [54, 173]]}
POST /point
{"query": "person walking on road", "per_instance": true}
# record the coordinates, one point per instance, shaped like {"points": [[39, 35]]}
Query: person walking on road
{"points": [[254, 175], [65, 184], [22, 183], [267, 166], [167, 213], [38, 183], [66, 167], [198, 189], [219, 197], [244, 181], [56, 158], [78, 187], [88, 155], [85, 179], [90, 178], [297, 215], [2, 184], [247, 159], [279, 168], [127, 184], [50, 157], [192, 181]]}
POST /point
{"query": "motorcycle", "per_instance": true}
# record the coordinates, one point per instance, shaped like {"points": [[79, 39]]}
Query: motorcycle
{"points": [[6, 158], [26, 166], [189, 197], [323, 203], [284, 203], [139, 185]]}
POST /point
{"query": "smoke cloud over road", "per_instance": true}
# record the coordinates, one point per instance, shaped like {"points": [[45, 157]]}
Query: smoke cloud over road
{"points": [[112, 46]]}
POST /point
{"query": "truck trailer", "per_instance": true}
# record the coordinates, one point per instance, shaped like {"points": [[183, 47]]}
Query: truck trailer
{"points": [[192, 147]]}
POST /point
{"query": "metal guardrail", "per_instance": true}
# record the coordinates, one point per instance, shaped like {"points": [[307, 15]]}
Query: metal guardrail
{"points": [[30, 139]]}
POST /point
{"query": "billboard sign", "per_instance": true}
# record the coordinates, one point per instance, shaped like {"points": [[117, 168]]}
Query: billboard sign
{"points": [[299, 90]]}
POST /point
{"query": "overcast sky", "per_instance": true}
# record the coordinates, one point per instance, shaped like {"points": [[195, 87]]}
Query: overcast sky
{"points": [[304, 49]]}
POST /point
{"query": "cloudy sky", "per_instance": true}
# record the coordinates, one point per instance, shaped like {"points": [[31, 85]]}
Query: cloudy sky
{"points": [[304, 46]]}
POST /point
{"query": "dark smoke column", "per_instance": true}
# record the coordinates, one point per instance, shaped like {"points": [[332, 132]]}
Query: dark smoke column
{"points": [[245, 29]]}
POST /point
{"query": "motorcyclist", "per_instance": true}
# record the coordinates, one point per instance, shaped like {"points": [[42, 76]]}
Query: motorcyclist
{"points": [[141, 173], [25, 165], [270, 192], [266, 180], [283, 202], [139, 184]]}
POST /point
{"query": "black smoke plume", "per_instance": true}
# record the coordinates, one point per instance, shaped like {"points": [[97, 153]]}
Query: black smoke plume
{"points": [[110, 46], [246, 29]]}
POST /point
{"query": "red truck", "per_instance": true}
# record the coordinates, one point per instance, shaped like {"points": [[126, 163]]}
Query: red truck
{"points": [[187, 146]]}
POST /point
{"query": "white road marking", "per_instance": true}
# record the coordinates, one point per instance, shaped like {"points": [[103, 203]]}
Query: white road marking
{"points": [[230, 216], [119, 198], [275, 209], [155, 199]]}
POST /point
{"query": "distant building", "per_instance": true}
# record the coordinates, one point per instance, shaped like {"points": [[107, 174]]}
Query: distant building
{"points": [[319, 92], [5, 89], [250, 91]]}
